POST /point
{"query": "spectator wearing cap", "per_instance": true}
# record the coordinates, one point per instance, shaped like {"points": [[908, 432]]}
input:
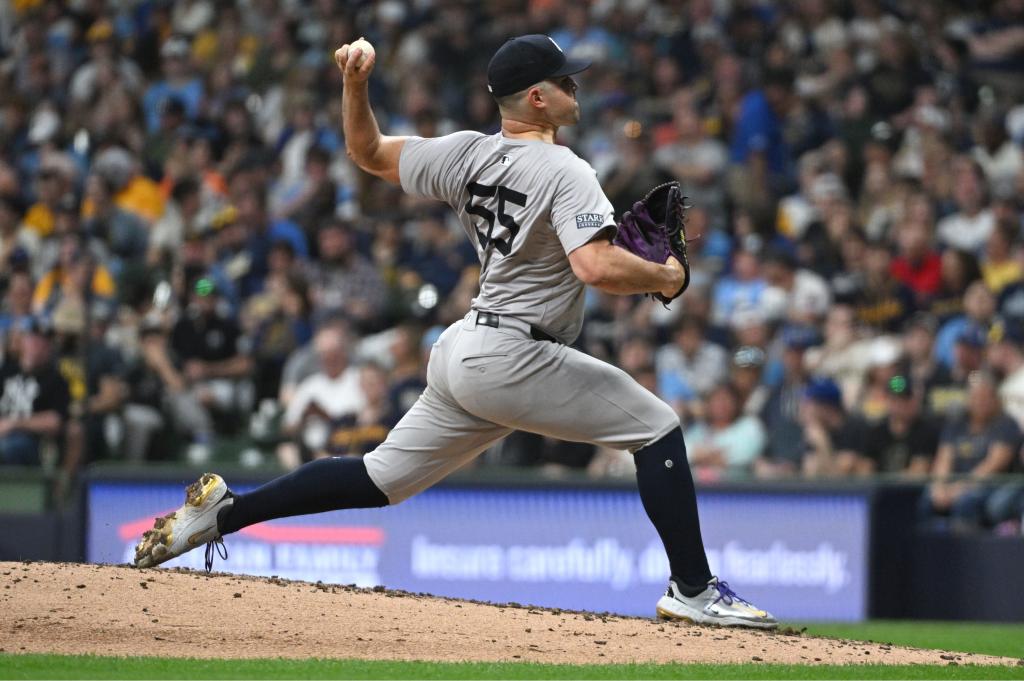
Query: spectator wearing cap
{"points": [[1005, 356], [793, 293], [947, 391], [725, 442], [784, 451], [745, 378], [980, 444], [103, 66], [213, 357], [197, 258], [33, 398], [883, 303], [970, 226], [833, 440], [178, 81], [905, 441]]}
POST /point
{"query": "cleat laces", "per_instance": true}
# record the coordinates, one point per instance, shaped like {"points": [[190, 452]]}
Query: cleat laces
{"points": [[215, 548], [727, 595]]}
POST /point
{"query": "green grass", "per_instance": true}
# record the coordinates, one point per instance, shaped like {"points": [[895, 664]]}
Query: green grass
{"points": [[968, 637], [89, 667]]}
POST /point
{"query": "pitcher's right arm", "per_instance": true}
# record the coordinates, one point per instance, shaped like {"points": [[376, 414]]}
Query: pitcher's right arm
{"points": [[375, 153]]}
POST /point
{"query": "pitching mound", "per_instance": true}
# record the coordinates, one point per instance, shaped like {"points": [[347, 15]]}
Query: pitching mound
{"points": [[115, 610]]}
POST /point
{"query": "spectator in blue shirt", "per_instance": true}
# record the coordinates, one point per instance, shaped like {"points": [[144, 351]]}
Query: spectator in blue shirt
{"points": [[758, 149], [178, 82], [740, 290]]}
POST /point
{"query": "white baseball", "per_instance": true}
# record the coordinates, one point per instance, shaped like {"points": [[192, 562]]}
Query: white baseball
{"points": [[366, 48]]}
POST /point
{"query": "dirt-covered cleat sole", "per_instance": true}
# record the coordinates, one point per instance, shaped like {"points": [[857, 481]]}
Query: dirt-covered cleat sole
{"points": [[717, 605], [191, 526]]}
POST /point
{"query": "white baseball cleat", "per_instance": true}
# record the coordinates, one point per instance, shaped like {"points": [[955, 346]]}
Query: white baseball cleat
{"points": [[191, 526], [717, 605]]}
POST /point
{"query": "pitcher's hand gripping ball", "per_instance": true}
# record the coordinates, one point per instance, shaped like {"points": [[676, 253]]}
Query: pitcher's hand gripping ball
{"points": [[656, 228], [356, 60]]}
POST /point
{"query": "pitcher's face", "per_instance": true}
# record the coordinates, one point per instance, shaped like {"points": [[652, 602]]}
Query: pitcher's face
{"points": [[565, 110]]}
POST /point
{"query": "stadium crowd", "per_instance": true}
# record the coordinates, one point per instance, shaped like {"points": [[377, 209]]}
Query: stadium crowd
{"points": [[188, 258]]}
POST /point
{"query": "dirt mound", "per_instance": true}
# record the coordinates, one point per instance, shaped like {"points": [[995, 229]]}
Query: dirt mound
{"points": [[116, 610]]}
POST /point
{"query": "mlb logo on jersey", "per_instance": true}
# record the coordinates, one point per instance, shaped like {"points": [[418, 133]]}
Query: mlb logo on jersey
{"points": [[505, 160], [589, 221]]}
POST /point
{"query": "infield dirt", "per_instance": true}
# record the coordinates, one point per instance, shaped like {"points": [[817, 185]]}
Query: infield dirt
{"points": [[119, 610]]}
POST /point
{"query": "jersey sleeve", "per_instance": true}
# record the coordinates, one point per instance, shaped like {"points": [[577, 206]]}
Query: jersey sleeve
{"points": [[580, 211], [428, 166]]}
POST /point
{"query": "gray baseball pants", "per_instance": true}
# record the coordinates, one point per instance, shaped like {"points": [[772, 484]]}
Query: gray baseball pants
{"points": [[485, 382]]}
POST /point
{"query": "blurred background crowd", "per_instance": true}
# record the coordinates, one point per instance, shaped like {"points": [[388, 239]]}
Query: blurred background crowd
{"points": [[191, 268]]}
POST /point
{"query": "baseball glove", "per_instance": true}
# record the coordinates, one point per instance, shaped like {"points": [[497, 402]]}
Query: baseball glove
{"points": [[656, 229]]}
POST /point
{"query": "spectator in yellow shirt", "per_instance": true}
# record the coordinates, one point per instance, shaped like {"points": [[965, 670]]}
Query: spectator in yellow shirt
{"points": [[75, 270], [999, 266], [51, 185]]}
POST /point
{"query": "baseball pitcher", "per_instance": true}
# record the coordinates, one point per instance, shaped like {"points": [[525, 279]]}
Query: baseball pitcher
{"points": [[543, 230]]}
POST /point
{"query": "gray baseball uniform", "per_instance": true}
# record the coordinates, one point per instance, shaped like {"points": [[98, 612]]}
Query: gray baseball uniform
{"points": [[525, 205]]}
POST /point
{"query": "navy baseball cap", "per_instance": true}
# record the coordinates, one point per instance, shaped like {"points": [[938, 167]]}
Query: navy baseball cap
{"points": [[824, 390], [526, 60]]}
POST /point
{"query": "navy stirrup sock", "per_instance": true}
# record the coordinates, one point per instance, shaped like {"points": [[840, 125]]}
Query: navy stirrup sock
{"points": [[321, 485], [667, 492]]}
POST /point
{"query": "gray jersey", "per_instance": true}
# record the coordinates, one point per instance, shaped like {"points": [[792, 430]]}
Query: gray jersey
{"points": [[525, 205]]}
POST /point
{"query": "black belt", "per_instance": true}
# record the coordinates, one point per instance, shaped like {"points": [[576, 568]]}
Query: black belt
{"points": [[494, 321]]}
